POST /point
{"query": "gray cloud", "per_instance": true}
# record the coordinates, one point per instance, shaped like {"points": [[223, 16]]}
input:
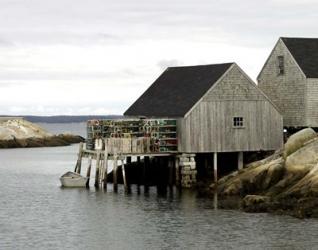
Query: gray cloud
{"points": [[61, 21], [163, 64], [130, 32], [20, 76], [7, 83], [6, 43]]}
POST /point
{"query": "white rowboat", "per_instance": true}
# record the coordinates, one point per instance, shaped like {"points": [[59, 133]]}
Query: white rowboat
{"points": [[72, 179]]}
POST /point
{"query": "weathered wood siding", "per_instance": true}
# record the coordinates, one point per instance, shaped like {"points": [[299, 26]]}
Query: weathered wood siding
{"points": [[209, 126], [287, 91], [312, 102]]}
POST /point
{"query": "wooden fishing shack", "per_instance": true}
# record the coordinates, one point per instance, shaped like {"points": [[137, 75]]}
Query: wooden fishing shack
{"points": [[195, 115], [290, 78]]}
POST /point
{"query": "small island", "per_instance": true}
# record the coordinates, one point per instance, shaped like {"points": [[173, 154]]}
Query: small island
{"points": [[16, 132]]}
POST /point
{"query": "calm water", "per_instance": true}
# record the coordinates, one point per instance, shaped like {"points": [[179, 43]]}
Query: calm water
{"points": [[36, 213]]}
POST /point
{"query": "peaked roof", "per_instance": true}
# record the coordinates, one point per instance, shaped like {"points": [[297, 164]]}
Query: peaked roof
{"points": [[305, 52], [177, 90]]}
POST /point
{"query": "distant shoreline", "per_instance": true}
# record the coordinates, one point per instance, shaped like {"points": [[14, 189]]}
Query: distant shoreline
{"points": [[63, 118]]}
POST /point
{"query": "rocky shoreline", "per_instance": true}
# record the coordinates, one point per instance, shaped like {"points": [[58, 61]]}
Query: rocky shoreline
{"points": [[51, 141], [284, 183], [19, 133]]}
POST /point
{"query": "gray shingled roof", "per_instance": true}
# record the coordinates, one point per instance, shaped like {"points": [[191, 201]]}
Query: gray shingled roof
{"points": [[305, 52], [177, 90]]}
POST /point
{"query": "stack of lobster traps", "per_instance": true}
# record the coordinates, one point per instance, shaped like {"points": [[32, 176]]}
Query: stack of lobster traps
{"points": [[156, 135]]}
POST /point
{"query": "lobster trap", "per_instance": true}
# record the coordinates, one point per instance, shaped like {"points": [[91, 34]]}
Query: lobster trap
{"points": [[152, 135]]}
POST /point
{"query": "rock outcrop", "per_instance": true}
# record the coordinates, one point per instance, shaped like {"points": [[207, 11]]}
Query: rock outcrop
{"points": [[19, 133], [286, 182]]}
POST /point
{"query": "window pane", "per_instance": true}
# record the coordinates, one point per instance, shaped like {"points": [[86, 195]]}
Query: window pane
{"points": [[280, 64], [238, 122]]}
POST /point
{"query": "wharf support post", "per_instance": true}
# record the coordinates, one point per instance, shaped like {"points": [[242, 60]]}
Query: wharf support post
{"points": [[139, 171], [146, 167], [97, 170], [215, 167], [124, 175], [115, 165], [170, 174], [79, 159], [178, 174], [187, 164], [240, 161], [105, 169], [88, 173]]}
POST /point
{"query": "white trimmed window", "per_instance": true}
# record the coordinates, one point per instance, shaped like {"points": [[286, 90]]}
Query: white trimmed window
{"points": [[238, 122]]}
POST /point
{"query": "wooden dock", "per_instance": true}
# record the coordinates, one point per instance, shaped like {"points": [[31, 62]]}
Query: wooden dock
{"points": [[118, 151]]}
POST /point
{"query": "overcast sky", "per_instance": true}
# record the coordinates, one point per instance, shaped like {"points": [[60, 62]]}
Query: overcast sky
{"points": [[97, 56]]}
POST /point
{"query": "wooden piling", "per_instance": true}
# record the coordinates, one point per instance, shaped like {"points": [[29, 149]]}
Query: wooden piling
{"points": [[115, 163], [128, 171], [170, 170], [79, 159], [97, 170], [240, 161], [162, 174], [101, 170], [139, 170], [215, 166], [128, 159], [105, 168], [124, 175], [145, 170], [88, 173], [178, 175]]}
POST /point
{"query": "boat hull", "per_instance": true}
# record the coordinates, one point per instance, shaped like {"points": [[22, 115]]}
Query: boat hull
{"points": [[71, 179]]}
